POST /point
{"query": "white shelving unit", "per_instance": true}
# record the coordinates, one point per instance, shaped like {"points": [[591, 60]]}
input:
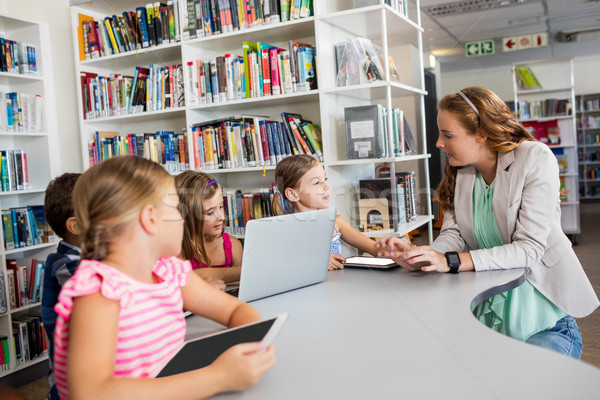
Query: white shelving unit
{"points": [[588, 128], [42, 165], [332, 22], [557, 82]]}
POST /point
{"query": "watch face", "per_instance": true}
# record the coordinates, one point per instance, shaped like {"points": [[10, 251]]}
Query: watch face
{"points": [[453, 258]]}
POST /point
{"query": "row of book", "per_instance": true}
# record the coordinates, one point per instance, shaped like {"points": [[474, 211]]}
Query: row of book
{"points": [[17, 57], [24, 278], [400, 6], [526, 79], [242, 207], [149, 89], [590, 156], [164, 147], [27, 341], [13, 170], [150, 25], [589, 104], [544, 108], [20, 112], [211, 17], [25, 226], [589, 122], [376, 204], [590, 173], [368, 134], [591, 138], [592, 191], [263, 70], [250, 141]]}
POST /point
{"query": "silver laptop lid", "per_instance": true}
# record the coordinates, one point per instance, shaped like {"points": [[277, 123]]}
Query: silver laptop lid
{"points": [[285, 252]]}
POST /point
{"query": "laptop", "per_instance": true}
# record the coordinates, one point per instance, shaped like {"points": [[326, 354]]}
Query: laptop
{"points": [[285, 252]]}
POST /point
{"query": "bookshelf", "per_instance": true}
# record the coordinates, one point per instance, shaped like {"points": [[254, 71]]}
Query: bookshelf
{"points": [[549, 112], [588, 128], [42, 165], [332, 21]]}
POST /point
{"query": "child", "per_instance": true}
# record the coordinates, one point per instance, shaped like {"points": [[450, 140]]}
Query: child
{"points": [[215, 255], [120, 317], [60, 266], [302, 186]]}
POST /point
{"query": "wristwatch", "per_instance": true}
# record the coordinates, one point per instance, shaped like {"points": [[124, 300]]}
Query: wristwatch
{"points": [[453, 261]]}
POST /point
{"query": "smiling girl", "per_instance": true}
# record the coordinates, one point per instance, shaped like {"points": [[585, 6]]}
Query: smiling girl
{"points": [[302, 186], [215, 255]]}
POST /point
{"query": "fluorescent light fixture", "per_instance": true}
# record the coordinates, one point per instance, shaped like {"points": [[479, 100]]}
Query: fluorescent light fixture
{"points": [[431, 61], [457, 7]]}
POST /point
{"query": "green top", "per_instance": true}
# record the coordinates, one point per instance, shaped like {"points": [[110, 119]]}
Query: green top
{"points": [[522, 311]]}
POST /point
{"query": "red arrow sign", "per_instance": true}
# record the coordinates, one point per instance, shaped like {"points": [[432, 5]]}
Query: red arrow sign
{"points": [[510, 44]]}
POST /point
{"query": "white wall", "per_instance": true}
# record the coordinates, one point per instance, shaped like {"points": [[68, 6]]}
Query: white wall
{"points": [[57, 15], [499, 79]]}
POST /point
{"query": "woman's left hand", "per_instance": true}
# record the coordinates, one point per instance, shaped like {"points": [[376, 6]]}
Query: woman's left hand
{"points": [[425, 258]]}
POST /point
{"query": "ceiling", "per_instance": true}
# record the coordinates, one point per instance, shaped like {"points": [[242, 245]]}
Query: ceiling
{"points": [[445, 35]]}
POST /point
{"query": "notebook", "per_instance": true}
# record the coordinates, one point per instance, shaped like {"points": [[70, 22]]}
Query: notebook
{"points": [[285, 252]]}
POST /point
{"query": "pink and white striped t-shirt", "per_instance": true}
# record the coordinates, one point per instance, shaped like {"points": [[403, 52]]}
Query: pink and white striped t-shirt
{"points": [[151, 322]]}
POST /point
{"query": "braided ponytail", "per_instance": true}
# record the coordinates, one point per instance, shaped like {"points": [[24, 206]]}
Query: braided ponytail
{"points": [[111, 194]]}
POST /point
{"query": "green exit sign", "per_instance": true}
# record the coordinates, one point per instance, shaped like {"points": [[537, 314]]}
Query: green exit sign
{"points": [[480, 48]]}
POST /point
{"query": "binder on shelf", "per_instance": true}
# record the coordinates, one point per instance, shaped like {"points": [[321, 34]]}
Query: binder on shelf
{"points": [[364, 127]]}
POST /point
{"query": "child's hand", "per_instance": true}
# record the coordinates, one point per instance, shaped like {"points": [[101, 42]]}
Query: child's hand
{"points": [[216, 283], [336, 261], [244, 364]]}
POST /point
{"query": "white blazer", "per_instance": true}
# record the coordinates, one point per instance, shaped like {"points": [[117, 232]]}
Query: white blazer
{"points": [[527, 208]]}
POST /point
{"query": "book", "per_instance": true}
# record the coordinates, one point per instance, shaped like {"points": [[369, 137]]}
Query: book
{"points": [[364, 131], [3, 295], [526, 79]]}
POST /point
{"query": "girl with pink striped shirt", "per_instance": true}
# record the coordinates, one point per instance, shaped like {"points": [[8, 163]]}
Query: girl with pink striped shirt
{"points": [[120, 316]]}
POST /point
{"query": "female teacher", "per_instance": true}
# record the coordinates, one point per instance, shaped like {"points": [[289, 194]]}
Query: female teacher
{"points": [[500, 196]]}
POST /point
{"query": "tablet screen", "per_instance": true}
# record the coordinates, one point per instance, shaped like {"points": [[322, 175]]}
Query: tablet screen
{"points": [[369, 261], [203, 351]]}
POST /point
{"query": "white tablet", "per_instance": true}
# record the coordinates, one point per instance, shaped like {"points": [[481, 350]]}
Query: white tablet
{"points": [[370, 262], [202, 351]]}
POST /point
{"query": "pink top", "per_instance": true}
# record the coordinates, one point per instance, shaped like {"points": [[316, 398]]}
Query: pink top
{"points": [[227, 248], [151, 322]]}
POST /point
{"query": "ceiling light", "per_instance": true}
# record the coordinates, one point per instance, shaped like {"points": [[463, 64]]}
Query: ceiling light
{"points": [[467, 6]]}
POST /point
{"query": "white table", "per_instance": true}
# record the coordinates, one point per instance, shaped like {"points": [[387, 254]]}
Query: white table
{"points": [[395, 334]]}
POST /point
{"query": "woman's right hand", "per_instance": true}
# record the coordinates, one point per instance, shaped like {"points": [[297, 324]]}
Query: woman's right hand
{"points": [[393, 247], [243, 365]]}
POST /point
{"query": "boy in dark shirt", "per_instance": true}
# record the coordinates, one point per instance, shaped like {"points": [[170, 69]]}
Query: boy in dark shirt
{"points": [[60, 266]]}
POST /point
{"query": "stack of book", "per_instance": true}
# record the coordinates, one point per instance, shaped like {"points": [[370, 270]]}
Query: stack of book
{"points": [[14, 170], [376, 207], [20, 112], [242, 207], [251, 141], [27, 341], [164, 147], [262, 70], [150, 25], [17, 57], [24, 279], [148, 89], [25, 226], [212, 17], [544, 108], [368, 134]]}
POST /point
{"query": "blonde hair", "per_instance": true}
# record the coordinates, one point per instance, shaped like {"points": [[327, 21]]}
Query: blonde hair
{"points": [[288, 173], [111, 194], [495, 120], [193, 188]]}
